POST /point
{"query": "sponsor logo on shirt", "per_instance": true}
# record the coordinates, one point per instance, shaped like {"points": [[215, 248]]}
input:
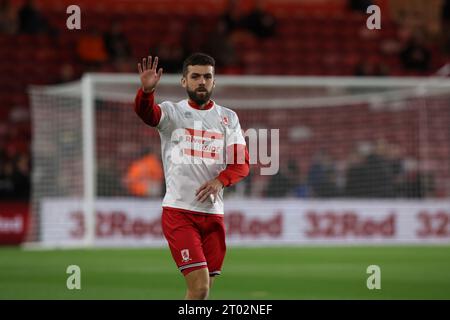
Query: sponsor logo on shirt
{"points": [[203, 144]]}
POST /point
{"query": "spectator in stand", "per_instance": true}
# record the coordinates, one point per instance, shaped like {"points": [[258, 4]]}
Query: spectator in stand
{"points": [[374, 175], [248, 183], [446, 13], [445, 35], [21, 177], [117, 46], [299, 185], [6, 177], [190, 40], [145, 176], [8, 18], [108, 180], [371, 177], [354, 185], [416, 183], [66, 73], [259, 22], [321, 176], [170, 50], [220, 46], [282, 183], [233, 20], [415, 55], [359, 5], [371, 66], [91, 50], [381, 70], [240, 27], [363, 69], [172, 55], [232, 17], [395, 166], [389, 168], [32, 21]]}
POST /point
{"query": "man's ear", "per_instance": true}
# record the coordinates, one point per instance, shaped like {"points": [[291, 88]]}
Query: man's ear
{"points": [[183, 82]]}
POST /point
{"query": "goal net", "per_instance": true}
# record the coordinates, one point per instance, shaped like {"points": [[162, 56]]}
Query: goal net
{"points": [[346, 139]]}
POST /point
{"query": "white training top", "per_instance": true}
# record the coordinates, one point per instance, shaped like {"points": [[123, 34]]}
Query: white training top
{"points": [[192, 150]]}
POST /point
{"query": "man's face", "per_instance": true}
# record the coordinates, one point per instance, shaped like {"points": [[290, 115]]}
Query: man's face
{"points": [[199, 83]]}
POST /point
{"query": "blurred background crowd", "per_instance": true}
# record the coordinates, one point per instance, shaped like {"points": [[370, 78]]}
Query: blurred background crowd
{"points": [[253, 37]]}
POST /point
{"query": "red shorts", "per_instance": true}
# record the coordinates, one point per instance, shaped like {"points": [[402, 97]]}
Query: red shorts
{"points": [[196, 240]]}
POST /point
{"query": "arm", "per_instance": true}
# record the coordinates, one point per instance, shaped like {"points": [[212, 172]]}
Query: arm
{"points": [[145, 106], [238, 169]]}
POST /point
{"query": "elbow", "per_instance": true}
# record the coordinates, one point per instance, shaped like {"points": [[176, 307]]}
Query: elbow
{"points": [[149, 117], [245, 170], [242, 171], [137, 108], [140, 114]]}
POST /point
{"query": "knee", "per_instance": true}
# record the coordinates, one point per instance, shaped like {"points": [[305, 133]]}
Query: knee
{"points": [[200, 292]]}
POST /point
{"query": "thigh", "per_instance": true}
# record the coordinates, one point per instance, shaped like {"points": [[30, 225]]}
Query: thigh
{"points": [[214, 246], [184, 241]]}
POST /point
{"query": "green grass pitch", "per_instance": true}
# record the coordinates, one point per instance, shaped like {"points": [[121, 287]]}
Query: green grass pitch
{"points": [[407, 272]]}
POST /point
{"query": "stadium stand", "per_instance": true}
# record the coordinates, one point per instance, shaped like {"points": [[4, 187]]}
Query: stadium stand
{"points": [[303, 28]]}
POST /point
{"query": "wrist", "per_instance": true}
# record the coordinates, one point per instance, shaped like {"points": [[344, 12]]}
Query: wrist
{"points": [[221, 181], [147, 91]]}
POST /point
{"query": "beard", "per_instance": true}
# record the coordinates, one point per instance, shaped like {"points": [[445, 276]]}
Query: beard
{"points": [[199, 97]]}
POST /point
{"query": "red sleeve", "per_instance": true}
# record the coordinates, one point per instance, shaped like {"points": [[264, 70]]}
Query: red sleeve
{"points": [[238, 169], [146, 108]]}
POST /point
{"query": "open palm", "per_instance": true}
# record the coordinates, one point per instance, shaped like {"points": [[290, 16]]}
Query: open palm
{"points": [[147, 73]]}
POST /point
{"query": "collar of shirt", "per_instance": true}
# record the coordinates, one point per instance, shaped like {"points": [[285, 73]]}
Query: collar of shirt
{"points": [[194, 105]]}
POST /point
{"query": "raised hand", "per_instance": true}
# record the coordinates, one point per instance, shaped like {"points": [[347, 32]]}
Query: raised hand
{"points": [[147, 73]]}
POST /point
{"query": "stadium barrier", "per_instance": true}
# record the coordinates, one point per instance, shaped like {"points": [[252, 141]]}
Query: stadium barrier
{"points": [[131, 222]]}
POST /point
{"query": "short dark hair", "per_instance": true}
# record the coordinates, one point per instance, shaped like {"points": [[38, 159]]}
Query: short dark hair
{"points": [[198, 59]]}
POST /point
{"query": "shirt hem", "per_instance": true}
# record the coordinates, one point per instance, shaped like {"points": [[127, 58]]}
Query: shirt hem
{"points": [[170, 206]]}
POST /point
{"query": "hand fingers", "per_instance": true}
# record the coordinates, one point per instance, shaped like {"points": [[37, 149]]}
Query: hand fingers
{"points": [[160, 72], [212, 195], [204, 194], [147, 65], [155, 64], [200, 191], [203, 186]]}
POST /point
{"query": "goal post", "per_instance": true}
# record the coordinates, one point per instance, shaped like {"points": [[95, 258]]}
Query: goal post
{"points": [[89, 158], [86, 139]]}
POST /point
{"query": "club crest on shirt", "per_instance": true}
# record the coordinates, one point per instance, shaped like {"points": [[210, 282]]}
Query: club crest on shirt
{"points": [[185, 255], [225, 120], [188, 114]]}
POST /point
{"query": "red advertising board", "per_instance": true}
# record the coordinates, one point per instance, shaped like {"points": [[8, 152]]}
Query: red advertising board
{"points": [[14, 218]]}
